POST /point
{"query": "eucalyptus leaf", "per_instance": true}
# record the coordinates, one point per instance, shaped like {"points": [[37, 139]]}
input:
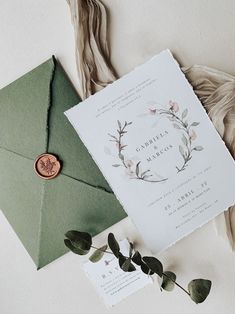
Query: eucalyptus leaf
{"points": [[131, 268], [198, 148], [125, 263], [136, 258], [121, 259], [113, 244], [74, 249], [195, 123], [127, 266], [119, 124], [154, 264], [199, 289], [145, 269], [167, 283], [116, 165], [184, 113], [98, 254], [82, 240]]}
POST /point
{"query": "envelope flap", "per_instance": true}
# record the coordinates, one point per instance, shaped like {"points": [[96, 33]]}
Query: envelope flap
{"points": [[24, 105], [63, 139]]}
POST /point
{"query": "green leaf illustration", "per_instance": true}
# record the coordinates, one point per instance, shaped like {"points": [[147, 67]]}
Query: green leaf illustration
{"points": [[143, 173], [137, 169], [116, 165], [184, 113], [167, 283], [184, 140], [198, 148], [199, 289], [195, 123], [114, 137], [113, 244], [98, 254], [181, 150], [119, 124], [154, 264], [121, 156]]}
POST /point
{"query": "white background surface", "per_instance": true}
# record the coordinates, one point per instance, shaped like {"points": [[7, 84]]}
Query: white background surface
{"points": [[198, 32]]}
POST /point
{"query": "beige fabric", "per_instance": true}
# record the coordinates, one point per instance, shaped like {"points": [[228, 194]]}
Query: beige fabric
{"points": [[92, 54], [215, 89]]}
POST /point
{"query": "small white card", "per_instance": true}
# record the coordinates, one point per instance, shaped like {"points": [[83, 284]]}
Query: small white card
{"points": [[112, 283], [156, 146]]}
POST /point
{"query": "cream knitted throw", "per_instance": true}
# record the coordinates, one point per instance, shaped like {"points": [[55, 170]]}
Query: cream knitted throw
{"points": [[215, 89]]}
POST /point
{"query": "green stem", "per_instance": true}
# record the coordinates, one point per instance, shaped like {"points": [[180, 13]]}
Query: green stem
{"points": [[99, 249], [176, 283]]}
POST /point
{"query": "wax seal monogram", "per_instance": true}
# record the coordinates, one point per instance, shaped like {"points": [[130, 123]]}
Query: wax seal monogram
{"points": [[47, 166]]}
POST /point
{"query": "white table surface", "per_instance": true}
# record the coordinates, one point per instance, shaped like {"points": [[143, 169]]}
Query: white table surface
{"points": [[198, 32]]}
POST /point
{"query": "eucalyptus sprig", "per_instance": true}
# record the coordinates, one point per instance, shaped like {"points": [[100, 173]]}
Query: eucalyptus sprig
{"points": [[81, 243]]}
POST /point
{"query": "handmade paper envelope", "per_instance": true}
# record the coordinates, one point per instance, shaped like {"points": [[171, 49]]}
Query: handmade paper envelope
{"points": [[41, 211]]}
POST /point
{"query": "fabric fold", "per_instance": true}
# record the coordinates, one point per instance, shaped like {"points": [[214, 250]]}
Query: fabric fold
{"points": [[89, 20], [216, 90]]}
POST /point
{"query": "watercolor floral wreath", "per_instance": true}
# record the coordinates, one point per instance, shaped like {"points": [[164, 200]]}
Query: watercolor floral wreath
{"points": [[179, 121]]}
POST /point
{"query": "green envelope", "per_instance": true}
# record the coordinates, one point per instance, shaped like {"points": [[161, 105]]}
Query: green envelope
{"points": [[32, 122]]}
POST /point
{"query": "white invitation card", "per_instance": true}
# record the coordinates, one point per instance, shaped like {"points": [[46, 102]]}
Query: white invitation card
{"points": [[111, 282], [156, 146]]}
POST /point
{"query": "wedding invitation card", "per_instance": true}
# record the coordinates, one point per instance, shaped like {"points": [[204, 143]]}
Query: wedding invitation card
{"points": [[156, 146]]}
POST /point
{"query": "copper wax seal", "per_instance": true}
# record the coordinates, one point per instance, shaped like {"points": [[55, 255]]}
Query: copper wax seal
{"points": [[47, 166]]}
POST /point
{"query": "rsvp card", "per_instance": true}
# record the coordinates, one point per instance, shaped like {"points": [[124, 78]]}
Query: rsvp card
{"points": [[156, 146], [111, 282]]}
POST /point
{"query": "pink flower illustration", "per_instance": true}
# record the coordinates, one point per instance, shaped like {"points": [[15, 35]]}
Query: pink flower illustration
{"points": [[152, 111], [193, 135], [173, 106]]}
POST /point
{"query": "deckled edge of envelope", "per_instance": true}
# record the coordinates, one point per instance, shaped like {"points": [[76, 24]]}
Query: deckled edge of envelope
{"points": [[49, 105]]}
